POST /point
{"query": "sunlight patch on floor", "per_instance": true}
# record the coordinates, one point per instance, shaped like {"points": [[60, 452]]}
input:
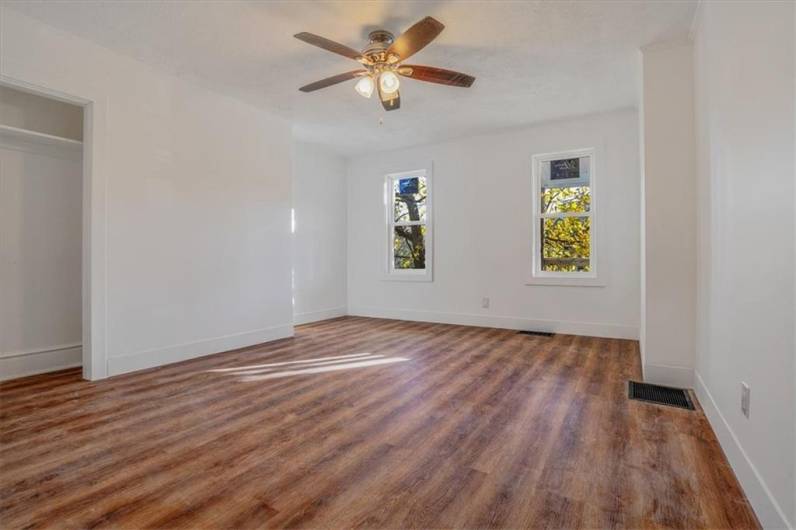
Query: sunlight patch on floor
{"points": [[337, 358], [261, 372], [322, 369]]}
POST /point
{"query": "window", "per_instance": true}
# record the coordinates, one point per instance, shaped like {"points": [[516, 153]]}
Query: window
{"points": [[408, 210], [563, 221]]}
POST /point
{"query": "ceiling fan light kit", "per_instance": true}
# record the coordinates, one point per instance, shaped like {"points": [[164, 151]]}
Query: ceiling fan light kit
{"points": [[388, 82], [381, 61], [365, 86]]}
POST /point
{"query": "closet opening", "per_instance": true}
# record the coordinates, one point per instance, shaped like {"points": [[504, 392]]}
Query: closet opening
{"points": [[41, 234]]}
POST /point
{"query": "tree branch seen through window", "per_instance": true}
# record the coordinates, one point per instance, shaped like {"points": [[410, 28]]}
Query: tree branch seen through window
{"points": [[409, 233]]}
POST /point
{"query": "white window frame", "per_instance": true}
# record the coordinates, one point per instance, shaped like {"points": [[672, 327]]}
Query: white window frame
{"points": [[538, 276], [409, 275]]}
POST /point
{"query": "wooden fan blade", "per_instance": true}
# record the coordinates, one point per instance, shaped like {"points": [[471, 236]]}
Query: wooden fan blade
{"points": [[436, 75], [389, 101], [328, 45], [416, 38], [329, 81]]}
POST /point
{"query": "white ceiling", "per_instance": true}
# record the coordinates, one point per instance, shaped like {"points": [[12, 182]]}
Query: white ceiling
{"points": [[534, 61]]}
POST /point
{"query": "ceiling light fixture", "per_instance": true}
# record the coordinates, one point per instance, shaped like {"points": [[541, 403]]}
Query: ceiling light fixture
{"points": [[389, 82], [382, 61], [365, 86]]}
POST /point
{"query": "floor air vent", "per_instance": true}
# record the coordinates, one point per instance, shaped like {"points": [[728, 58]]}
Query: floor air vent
{"points": [[662, 395], [536, 333]]}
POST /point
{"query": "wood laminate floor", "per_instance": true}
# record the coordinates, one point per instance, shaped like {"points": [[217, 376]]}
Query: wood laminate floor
{"points": [[371, 423]]}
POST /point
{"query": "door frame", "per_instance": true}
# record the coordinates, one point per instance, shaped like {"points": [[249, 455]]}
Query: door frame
{"points": [[94, 242]]}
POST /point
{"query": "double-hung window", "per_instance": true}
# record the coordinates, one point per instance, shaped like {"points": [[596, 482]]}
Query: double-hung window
{"points": [[409, 229], [563, 215]]}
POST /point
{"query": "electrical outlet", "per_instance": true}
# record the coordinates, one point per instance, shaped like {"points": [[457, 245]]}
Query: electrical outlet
{"points": [[745, 395], [485, 302]]}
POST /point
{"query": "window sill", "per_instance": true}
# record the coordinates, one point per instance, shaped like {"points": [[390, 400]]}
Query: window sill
{"points": [[407, 277], [566, 282]]}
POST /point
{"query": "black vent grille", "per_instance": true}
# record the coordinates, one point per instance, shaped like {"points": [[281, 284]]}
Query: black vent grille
{"points": [[536, 333], [662, 395]]}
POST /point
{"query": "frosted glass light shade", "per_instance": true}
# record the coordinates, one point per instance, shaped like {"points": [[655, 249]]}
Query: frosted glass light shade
{"points": [[389, 82], [365, 86]]}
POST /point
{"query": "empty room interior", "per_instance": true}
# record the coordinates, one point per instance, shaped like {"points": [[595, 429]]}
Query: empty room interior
{"points": [[398, 264]]}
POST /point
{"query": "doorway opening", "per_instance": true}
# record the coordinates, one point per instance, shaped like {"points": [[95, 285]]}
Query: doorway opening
{"points": [[41, 233]]}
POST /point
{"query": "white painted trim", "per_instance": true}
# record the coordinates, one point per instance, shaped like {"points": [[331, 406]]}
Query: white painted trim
{"points": [[95, 242], [38, 361], [315, 316], [409, 275], [427, 274], [676, 376], [585, 279], [7, 376], [55, 150], [589, 329], [39, 137], [39, 90], [181, 352], [561, 281], [680, 40], [35, 351], [768, 511]]}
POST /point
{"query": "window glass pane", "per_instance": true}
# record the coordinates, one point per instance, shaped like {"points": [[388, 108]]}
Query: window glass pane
{"points": [[567, 170], [566, 199], [566, 244], [409, 198], [409, 247]]}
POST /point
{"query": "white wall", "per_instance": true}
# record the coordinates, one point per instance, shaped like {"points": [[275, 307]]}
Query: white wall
{"points": [[40, 248], [744, 66], [482, 224], [319, 239], [187, 200], [669, 224]]}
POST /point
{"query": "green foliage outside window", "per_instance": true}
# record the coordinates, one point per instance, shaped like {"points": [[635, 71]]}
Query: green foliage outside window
{"points": [[409, 245], [566, 240]]}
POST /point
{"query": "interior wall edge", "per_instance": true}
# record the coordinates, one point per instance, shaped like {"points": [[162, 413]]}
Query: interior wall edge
{"points": [[767, 509], [317, 316], [587, 329], [123, 97], [319, 233]]}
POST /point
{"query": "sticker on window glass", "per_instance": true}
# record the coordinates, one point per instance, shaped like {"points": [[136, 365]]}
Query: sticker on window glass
{"points": [[568, 168], [408, 186]]}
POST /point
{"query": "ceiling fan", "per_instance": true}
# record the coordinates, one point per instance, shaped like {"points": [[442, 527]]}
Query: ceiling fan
{"points": [[382, 62]]}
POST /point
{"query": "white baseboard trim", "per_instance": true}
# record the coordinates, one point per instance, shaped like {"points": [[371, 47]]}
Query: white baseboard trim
{"points": [[590, 329], [661, 374], [768, 511], [315, 316], [39, 361], [172, 354]]}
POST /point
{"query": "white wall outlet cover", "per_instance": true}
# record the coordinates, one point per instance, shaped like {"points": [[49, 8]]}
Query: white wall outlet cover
{"points": [[485, 302]]}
